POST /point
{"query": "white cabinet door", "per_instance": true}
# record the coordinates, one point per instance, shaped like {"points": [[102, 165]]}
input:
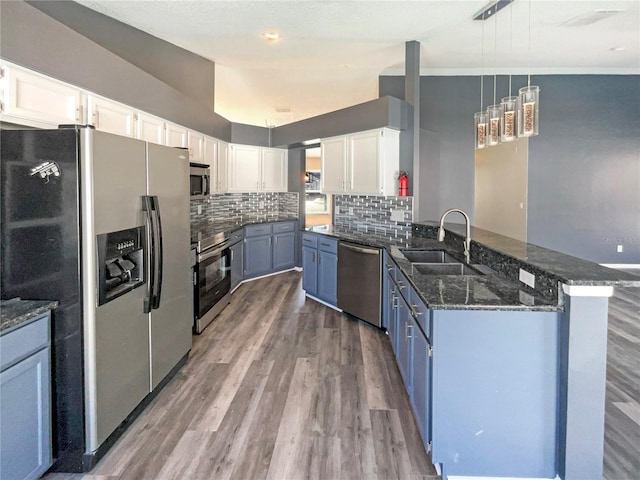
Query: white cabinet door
{"points": [[274, 170], [222, 167], [111, 117], [175, 135], [364, 163], [35, 100], [195, 142], [334, 155], [150, 128], [244, 168]]}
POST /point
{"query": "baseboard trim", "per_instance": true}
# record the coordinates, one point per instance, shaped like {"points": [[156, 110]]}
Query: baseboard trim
{"points": [[322, 302]]}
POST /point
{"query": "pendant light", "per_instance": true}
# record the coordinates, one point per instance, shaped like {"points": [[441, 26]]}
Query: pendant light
{"points": [[494, 112], [480, 118], [529, 96], [509, 119]]}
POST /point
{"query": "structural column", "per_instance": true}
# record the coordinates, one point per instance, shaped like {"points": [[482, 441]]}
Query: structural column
{"points": [[583, 369]]}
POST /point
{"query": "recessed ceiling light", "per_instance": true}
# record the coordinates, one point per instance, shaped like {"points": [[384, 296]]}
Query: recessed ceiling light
{"points": [[271, 36]]}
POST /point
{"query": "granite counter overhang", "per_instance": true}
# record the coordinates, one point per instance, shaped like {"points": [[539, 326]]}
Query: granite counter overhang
{"points": [[16, 312], [498, 288]]}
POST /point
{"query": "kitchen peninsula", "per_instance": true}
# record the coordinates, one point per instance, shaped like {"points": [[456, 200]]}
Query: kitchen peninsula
{"points": [[509, 378]]}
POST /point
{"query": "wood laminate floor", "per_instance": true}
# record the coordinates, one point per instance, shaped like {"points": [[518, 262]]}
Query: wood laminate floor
{"points": [[283, 388], [278, 387]]}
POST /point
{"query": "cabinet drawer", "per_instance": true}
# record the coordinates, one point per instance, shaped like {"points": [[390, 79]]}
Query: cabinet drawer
{"points": [[328, 245], [309, 240], [257, 230], [284, 227], [24, 341], [236, 236], [403, 285], [419, 312]]}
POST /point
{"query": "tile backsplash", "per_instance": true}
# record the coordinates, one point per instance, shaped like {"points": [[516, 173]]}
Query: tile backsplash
{"points": [[388, 218], [241, 206]]}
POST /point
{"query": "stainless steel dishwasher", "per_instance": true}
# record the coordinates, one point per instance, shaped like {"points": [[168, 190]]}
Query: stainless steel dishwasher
{"points": [[359, 281]]}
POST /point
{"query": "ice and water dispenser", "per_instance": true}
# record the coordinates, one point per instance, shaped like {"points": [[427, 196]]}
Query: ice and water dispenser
{"points": [[121, 258]]}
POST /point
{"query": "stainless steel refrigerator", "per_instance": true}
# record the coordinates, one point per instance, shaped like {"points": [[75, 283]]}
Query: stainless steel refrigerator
{"points": [[100, 223]]}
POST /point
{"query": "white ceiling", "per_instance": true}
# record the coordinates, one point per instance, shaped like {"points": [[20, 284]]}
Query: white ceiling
{"points": [[332, 52]]}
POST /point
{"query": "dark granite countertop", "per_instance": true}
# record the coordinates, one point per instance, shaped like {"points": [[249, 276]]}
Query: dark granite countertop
{"points": [[490, 291], [204, 230], [499, 259], [17, 312]]}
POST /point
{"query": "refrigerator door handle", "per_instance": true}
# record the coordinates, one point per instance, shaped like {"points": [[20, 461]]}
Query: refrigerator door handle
{"points": [[157, 284], [147, 207]]}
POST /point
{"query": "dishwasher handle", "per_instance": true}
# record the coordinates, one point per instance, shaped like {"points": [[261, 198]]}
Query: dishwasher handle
{"points": [[368, 251]]}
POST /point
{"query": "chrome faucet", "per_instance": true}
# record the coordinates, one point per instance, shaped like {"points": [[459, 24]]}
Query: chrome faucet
{"points": [[467, 241]]}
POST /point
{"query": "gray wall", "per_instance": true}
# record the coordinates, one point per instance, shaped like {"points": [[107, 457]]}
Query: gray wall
{"points": [[378, 113], [30, 38], [584, 167], [250, 135], [185, 71]]}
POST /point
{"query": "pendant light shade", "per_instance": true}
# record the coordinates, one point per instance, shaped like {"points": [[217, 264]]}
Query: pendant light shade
{"points": [[480, 120], [529, 111], [509, 118], [494, 116]]}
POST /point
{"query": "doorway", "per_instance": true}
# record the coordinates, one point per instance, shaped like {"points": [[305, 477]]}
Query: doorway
{"points": [[317, 204]]}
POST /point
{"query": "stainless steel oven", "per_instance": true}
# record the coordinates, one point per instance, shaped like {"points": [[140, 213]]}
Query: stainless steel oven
{"points": [[212, 283]]}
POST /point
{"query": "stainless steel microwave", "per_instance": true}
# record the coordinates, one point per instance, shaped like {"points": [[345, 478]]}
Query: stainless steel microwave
{"points": [[199, 180]]}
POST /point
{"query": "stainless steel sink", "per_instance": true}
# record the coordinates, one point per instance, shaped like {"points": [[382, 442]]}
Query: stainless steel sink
{"points": [[445, 269], [428, 256]]}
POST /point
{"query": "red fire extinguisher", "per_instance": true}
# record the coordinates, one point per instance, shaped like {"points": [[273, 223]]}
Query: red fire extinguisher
{"points": [[403, 189]]}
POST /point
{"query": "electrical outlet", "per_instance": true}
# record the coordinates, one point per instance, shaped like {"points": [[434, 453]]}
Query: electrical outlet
{"points": [[528, 278], [620, 248], [199, 209], [336, 210], [261, 204], [350, 210]]}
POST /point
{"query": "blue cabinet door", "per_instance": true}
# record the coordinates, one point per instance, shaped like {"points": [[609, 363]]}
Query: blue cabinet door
{"points": [[310, 270], [421, 381], [25, 421], [237, 264], [392, 315], [257, 256], [284, 250], [328, 277], [404, 334]]}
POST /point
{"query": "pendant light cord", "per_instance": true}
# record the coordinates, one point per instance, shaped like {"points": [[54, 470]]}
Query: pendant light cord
{"points": [[529, 75], [495, 55], [510, 39], [482, 68]]}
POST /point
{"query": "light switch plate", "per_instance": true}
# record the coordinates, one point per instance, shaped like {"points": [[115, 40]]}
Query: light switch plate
{"points": [[397, 215], [199, 209], [528, 278]]}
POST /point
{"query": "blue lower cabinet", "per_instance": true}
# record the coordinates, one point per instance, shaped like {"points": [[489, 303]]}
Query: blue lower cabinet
{"points": [[257, 256], [320, 267], [328, 277], [404, 339], [421, 383], [284, 250], [310, 270], [237, 264]]}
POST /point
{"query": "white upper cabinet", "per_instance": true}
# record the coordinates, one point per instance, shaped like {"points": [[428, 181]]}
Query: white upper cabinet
{"points": [[273, 167], [244, 168], [150, 128], [333, 152], [222, 170], [195, 142], [111, 117], [215, 155], [257, 169], [365, 163], [35, 100], [175, 135]]}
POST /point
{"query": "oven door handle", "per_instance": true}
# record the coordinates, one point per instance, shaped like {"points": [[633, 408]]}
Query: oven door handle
{"points": [[212, 253]]}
